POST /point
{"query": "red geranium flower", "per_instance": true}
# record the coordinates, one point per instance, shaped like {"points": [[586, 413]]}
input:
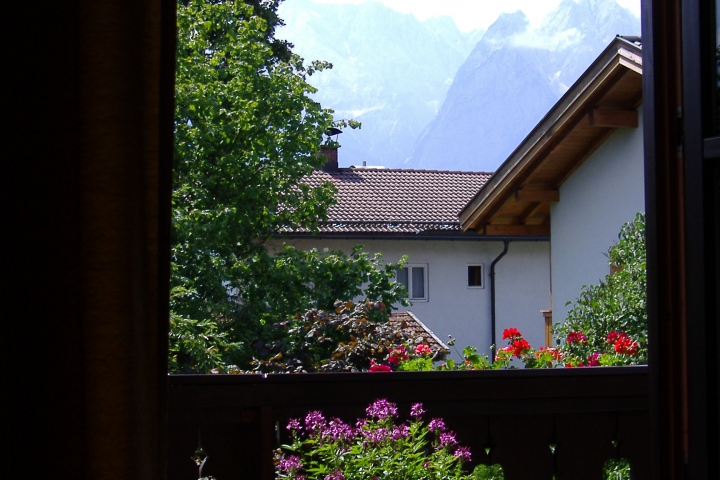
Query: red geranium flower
{"points": [[624, 345], [576, 337], [511, 333], [520, 346]]}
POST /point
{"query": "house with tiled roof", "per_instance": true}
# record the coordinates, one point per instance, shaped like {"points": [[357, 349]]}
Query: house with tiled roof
{"points": [[512, 248], [578, 176], [399, 212]]}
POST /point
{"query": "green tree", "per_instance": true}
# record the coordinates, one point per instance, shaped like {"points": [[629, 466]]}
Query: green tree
{"points": [[246, 134], [617, 304]]}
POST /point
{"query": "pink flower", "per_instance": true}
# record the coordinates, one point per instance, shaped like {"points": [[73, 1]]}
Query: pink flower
{"points": [[378, 367], [594, 360], [423, 350], [577, 337], [397, 355]]}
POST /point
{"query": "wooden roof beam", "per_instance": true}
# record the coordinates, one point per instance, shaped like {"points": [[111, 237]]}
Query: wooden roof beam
{"points": [[613, 118], [530, 195], [517, 230]]}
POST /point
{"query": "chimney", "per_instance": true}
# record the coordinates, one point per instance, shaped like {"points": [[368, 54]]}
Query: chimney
{"points": [[331, 153]]}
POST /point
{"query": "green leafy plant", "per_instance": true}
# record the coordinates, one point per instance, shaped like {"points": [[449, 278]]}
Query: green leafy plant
{"points": [[616, 469], [607, 319], [488, 472], [376, 448]]}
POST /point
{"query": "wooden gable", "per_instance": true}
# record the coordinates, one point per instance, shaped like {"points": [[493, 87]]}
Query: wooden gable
{"points": [[516, 200]]}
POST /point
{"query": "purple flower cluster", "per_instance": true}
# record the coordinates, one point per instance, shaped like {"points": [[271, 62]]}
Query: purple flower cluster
{"points": [[381, 409], [290, 463], [377, 430], [314, 421], [376, 435], [336, 475], [336, 430], [436, 424], [447, 439], [463, 453], [400, 431], [294, 425]]}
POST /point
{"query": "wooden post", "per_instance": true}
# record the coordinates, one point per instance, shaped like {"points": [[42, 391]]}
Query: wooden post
{"points": [[547, 316]]}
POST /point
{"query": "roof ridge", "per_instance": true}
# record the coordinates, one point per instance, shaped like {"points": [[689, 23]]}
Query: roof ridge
{"points": [[403, 170]]}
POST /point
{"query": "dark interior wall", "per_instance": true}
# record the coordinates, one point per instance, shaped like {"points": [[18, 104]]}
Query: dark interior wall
{"points": [[87, 146], [86, 257]]}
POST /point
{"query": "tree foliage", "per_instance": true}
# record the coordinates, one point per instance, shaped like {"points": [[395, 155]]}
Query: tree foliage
{"points": [[246, 134]]}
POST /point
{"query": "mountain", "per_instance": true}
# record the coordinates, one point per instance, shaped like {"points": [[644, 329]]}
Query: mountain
{"points": [[510, 80], [390, 71]]}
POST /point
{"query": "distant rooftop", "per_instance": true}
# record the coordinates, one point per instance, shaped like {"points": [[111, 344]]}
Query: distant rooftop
{"points": [[419, 334], [373, 200]]}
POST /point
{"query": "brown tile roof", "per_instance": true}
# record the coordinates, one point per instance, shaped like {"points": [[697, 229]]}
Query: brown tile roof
{"points": [[397, 200], [418, 332]]}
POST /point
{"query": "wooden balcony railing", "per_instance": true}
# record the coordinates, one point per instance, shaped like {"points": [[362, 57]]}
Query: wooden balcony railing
{"points": [[589, 415]]}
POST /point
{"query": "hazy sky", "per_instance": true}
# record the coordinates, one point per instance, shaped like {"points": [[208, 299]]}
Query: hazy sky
{"points": [[473, 14]]}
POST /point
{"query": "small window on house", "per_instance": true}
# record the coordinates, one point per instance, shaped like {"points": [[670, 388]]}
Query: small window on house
{"points": [[414, 278], [475, 276]]}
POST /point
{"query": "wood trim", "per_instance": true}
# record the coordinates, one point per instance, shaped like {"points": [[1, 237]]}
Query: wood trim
{"points": [[519, 230], [613, 118], [562, 117], [711, 148], [585, 154], [530, 195], [531, 212], [662, 83]]}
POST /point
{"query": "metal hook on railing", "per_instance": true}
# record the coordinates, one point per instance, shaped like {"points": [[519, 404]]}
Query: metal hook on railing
{"points": [[199, 457]]}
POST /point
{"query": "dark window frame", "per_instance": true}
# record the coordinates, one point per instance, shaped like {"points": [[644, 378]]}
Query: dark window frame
{"points": [[480, 277]]}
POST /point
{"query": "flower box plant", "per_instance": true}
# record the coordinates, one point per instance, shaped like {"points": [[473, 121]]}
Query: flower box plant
{"points": [[377, 447]]}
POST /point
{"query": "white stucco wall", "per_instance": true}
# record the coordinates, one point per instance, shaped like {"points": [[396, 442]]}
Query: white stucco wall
{"points": [[452, 308], [522, 280], [605, 192]]}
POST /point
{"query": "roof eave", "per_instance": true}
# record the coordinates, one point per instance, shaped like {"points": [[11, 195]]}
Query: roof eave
{"points": [[620, 53]]}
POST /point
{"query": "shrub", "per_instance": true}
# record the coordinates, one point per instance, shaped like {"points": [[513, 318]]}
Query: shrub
{"points": [[346, 340], [612, 316]]}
